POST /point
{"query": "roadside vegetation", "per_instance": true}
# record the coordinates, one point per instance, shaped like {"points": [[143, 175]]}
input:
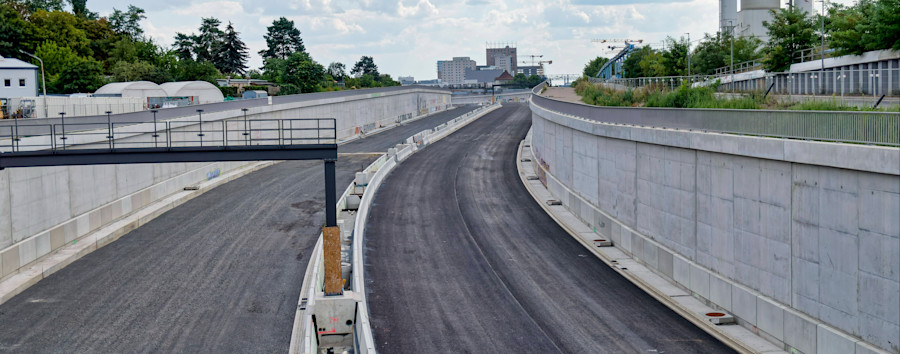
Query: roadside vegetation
{"points": [[83, 51], [696, 97]]}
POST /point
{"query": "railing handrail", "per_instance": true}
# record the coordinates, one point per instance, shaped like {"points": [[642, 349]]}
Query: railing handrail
{"points": [[171, 134]]}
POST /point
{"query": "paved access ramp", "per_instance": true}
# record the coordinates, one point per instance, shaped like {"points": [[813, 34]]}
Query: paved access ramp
{"points": [[461, 259]]}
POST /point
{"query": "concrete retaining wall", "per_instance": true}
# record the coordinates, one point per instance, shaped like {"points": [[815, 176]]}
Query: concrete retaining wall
{"points": [[803, 248], [486, 99], [44, 208]]}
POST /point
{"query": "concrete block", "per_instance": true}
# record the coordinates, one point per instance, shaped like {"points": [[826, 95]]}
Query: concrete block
{"points": [[770, 317], [700, 281], [57, 237], [27, 251], [637, 246], [830, 341], [743, 304], [625, 241], [42, 244], [682, 271], [799, 331], [877, 212], [664, 263], [9, 261], [720, 292], [650, 254]]}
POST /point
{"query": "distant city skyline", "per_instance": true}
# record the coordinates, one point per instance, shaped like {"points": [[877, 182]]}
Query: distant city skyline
{"points": [[407, 37]]}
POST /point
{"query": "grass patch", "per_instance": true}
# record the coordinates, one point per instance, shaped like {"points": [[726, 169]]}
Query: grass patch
{"points": [[697, 97]]}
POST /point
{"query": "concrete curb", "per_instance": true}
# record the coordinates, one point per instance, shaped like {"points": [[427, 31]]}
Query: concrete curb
{"points": [[661, 295]]}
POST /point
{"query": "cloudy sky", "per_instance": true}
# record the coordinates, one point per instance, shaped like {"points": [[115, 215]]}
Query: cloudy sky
{"points": [[407, 37]]}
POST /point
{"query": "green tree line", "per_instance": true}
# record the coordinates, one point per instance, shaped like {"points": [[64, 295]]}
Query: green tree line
{"points": [[82, 50]]}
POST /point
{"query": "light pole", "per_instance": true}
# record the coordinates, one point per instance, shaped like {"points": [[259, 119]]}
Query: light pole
{"points": [[43, 80], [689, 54], [822, 74]]}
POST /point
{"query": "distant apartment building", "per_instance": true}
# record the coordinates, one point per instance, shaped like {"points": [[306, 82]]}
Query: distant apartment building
{"points": [[502, 50], [406, 80], [505, 62], [453, 72], [530, 70]]}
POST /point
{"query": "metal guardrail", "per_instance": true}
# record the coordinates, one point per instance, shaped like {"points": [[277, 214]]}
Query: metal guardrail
{"points": [[880, 128], [168, 134]]}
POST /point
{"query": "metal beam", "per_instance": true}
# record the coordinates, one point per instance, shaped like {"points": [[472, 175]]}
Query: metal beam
{"points": [[76, 157]]}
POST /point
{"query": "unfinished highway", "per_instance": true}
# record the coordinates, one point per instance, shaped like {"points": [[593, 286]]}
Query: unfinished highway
{"points": [[460, 258], [220, 273]]}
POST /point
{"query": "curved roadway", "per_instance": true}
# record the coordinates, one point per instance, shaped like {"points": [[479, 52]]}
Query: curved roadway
{"points": [[220, 273], [460, 258]]}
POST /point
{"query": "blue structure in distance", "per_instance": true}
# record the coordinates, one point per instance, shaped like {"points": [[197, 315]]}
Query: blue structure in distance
{"points": [[614, 68]]}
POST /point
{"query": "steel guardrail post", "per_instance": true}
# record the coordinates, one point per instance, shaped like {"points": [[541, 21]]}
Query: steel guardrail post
{"points": [[109, 129], [200, 118]]}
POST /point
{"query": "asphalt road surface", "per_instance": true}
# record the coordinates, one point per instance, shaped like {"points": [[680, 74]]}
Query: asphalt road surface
{"points": [[220, 273], [461, 259]]}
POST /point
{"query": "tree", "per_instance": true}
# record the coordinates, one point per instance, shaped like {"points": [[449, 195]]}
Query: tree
{"points": [[884, 32], [632, 64], [59, 27], [127, 23], [184, 46], [55, 57], [652, 64], [790, 31], [79, 7], [132, 71], [191, 70], [337, 71], [365, 66], [32, 6], [85, 75], [282, 39], [592, 68], [12, 33], [233, 53], [207, 43], [301, 70], [674, 57]]}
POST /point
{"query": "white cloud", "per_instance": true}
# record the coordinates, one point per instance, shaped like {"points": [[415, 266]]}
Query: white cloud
{"points": [[406, 37], [211, 8], [423, 8]]}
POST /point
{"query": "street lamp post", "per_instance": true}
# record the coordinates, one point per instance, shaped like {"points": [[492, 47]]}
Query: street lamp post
{"points": [[43, 81], [689, 54], [822, 74]]}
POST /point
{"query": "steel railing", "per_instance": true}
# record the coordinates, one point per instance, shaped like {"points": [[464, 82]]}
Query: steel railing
{"points": [[169, 134], [880, 128]]}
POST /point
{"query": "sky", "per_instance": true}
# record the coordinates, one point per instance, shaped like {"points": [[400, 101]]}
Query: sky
{"points": [[407, 37]]}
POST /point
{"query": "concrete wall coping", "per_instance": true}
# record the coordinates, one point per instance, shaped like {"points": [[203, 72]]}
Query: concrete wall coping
{"points": [[878, 159]]}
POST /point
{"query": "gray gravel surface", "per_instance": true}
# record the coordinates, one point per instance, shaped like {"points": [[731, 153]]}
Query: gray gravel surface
{"points": [[220, 273], [461, 259]]}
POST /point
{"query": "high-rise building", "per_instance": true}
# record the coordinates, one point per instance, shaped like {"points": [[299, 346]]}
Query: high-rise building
{"points": [[502, 49], [454, 71]]}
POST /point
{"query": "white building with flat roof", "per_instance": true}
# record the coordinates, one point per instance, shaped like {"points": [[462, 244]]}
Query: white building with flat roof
{"points": [[453, 72], [17, 78]]}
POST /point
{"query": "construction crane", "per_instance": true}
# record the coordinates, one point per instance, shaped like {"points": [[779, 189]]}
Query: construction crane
{"points": [[533, 57]]}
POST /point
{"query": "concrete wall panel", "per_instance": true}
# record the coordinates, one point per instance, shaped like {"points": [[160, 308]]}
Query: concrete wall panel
{"points": [[807, 252]]}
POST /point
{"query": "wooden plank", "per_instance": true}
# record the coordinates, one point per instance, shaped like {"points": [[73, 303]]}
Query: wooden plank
{"points": [[331, 244]]}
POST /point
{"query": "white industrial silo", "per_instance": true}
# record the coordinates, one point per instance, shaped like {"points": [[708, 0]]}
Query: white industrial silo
{"points": [[727, 15], [752, 15]]}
